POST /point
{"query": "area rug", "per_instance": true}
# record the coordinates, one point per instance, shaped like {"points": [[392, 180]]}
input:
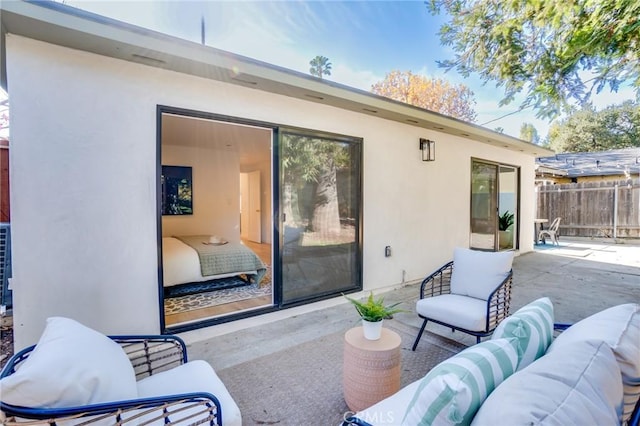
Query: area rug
{"points": [[303, 384], [205, 299]]}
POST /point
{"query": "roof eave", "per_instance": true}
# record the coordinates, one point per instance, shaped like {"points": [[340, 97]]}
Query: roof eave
{"points": [[66, 26]]}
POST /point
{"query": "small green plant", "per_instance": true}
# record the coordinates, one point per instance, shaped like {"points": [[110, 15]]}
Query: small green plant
{"points": [[505, 220], [374, 310]]}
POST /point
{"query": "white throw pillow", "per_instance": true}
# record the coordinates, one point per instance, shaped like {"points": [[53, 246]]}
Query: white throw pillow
{"points": [[478, 273], [532, 325], [194, 376], [453, 390], [71, 365], [578, 385], [619, 327]]}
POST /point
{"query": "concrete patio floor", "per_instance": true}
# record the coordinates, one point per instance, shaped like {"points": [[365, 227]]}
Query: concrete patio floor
{"points": [[581, 277]]}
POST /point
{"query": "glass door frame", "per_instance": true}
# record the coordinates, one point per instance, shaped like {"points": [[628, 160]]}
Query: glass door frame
{"points": [[279, 216], [495, 206]]}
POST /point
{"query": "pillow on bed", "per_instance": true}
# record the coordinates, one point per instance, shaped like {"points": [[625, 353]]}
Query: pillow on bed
{"points": [[71, 365]]}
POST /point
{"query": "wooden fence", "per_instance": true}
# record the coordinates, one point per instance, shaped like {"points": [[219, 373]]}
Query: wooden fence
{"points": [[593, 209]]}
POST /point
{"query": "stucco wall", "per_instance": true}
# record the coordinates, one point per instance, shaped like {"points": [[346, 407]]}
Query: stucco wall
{"points": [[83, 170]]}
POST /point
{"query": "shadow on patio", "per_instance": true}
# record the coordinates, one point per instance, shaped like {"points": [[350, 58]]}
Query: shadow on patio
{"points": [[289, 371]]}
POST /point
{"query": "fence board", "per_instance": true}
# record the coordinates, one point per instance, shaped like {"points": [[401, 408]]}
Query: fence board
{"points": [[587, 209]]}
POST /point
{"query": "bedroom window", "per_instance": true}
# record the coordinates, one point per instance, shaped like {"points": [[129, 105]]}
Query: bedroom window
{"points": [[320, 205]]}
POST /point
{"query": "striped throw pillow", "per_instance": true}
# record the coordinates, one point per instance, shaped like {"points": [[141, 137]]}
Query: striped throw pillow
{"points": [[452, 392], [532, 325]]}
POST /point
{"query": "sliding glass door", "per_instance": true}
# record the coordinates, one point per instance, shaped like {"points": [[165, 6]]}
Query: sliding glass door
{"points": [[494, 206], [320, 220]]}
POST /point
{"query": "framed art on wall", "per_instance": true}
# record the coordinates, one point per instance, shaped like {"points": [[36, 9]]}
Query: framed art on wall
{"points": [[177, 190]]}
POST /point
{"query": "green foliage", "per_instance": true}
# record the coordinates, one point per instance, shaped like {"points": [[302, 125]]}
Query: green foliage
{"points": [[374, 310], [557, 51], [505, 220], [588, 130], [320, 66], [529, 133]]}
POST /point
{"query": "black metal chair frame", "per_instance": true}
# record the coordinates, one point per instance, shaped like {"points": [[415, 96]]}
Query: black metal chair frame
{"points": [[149, 354], [498, 303]]}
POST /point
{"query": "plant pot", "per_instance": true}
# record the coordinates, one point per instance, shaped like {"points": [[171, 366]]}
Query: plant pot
{"points": [[372, 330], [505, 239]]}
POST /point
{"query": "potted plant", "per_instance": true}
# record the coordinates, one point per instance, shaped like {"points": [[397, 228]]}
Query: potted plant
{"points": [[505, 222], [373, 312]]}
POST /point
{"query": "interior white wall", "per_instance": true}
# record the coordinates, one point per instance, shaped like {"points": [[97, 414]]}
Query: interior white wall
{"points": [[216, 189], [83, 175]]}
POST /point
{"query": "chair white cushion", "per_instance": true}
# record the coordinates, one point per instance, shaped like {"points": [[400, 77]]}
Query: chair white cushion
{"points": [[577, 385], [470, 313], [478, 273], [71, 365], [619, 327], [194, 376], [453, 390], [532, 325]]}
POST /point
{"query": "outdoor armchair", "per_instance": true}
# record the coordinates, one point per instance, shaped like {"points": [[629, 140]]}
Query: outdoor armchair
{"points": [[471, 293], [74, 375], [551, 232]]}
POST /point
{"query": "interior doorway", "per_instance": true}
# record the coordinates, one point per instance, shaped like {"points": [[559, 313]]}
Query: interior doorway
{"points": [[250, 206]]}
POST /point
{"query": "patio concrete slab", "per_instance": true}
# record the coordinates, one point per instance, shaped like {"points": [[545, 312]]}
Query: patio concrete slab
{"points": [[581, 277]]}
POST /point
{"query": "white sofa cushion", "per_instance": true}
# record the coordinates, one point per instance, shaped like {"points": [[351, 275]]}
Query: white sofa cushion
{"points": [[619, 327], [471, 313], [390, 411], [578, 384], [453, 390], [532, 325], [71, 365], [478, 273], [194, 376]]}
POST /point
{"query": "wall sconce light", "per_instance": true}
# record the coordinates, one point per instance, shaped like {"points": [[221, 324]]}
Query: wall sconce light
{"points": [[428, 148]]}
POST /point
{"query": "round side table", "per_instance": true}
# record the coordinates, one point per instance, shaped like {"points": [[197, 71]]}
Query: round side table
{"points": [[371, 370]]}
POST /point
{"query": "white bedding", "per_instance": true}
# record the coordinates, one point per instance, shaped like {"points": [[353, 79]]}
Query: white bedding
{"points": [[180, 264]]}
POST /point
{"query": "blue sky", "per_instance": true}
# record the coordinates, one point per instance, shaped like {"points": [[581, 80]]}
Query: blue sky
{"points": [[364, 40]]}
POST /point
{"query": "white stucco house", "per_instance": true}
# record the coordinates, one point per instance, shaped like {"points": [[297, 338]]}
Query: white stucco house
{"points": [[326, 181]]}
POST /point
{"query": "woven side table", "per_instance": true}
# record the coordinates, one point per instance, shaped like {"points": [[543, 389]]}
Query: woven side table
{"points": [[371, 368]]}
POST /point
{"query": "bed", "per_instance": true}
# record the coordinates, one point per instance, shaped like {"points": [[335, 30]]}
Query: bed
{"points": [[192, 259]]}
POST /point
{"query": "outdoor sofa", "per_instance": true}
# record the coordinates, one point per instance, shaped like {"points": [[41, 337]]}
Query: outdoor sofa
{"points": [[588, 374], [75, 375]]}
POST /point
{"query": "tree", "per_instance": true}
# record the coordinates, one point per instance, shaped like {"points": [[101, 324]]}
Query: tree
{"points": [[434, 94], [587, 130], [529, 133], [310, 166], [557, 51], [320, 66]]}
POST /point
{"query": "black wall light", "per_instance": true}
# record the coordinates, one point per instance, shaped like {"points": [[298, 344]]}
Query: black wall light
{"points": [[428, 148]]}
